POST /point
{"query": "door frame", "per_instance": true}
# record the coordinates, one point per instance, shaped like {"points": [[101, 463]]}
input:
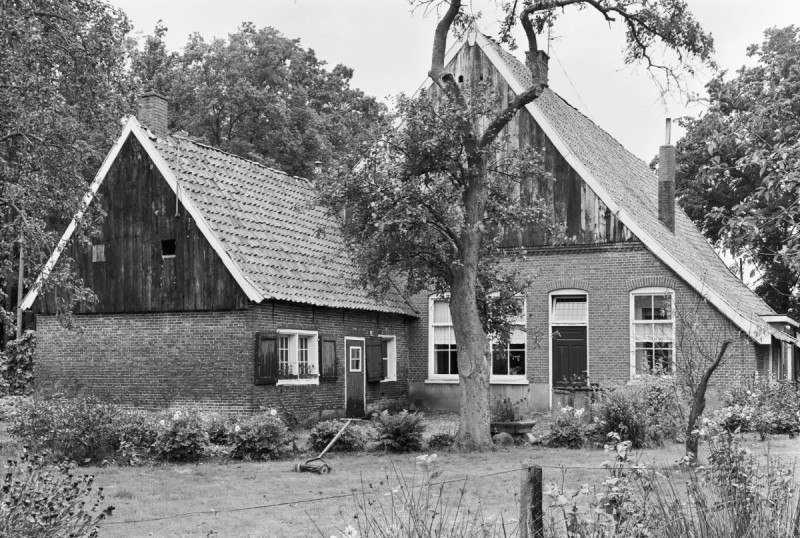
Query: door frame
{"points": [[363, 341], [550, 325]]}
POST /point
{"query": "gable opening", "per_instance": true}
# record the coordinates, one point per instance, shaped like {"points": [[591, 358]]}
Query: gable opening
{"points": [[168, 248]]}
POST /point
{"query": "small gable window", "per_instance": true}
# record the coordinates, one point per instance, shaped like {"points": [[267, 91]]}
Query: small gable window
{"points": [[168, 248], [652, 330], [98, 253]]}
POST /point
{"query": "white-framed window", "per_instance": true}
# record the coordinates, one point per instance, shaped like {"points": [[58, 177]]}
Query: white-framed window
{"points": [[355, 359], [510, 360], [298, 361], [508, 363], [443, 351], [389, 354], [652, 330], [569, 308]]}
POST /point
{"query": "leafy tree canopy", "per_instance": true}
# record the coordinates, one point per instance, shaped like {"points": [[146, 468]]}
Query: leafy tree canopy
{"points": [[260, 95], [63, 89], [739, 165]]}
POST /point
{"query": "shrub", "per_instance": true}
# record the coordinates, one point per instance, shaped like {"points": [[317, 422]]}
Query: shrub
{"points": [[645, 411], [80, 430], [569, 429], [263, 436], [219, 427], [16, 364], [41, 500], [352, 439], [181, 437], [504, 409], [399, 433], [136, 433], [441, 441], [762, 405], [9, 406]]}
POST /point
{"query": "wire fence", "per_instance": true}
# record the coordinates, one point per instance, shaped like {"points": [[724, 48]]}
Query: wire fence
{"points": [[464, 478]]}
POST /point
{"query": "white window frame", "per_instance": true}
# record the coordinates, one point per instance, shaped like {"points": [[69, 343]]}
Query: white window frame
{"points": [[652, 291], [551, 328], [313, 356], [390, 361], [512, 378], [453, 378]]}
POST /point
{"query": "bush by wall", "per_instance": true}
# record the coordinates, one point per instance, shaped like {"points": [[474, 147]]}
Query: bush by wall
{"points": [[181, 436], [353, 439], [16, 364], [399, 433], [762, 405], [261, 437]]}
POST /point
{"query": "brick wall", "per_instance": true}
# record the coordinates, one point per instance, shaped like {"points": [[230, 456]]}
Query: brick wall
{"points": [[156, 360], [608, 273]]}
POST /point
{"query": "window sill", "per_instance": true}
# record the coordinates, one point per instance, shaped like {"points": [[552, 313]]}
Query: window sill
{"points": [[392, 380], [492, 381], [314, 381]]}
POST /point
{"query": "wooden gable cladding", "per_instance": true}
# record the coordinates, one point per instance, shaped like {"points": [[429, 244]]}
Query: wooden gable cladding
{"points": [[576, 213], [135, 277]]}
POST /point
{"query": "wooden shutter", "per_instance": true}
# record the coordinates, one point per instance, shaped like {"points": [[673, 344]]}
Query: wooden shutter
{"points": [[265, 366], [328, 363], [384, 355], [374, 359]]}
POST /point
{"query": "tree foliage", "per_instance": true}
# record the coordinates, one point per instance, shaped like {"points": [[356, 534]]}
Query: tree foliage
{"points": [[63, 88], [428, 204], [260, 95], [739, 165]]}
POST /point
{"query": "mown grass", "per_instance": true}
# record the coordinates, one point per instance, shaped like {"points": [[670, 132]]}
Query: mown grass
{"points": [[227, 490]]}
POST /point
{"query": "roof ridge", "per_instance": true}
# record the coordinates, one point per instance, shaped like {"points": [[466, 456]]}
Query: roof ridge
{"points": [[251, 161]]}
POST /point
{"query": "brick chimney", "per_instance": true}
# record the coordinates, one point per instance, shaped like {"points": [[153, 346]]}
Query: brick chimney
{"points": [[540, 64], [666, 180], [153, 113]]}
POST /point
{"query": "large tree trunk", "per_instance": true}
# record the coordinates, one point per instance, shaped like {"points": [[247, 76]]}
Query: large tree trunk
{"points": [[699, 404]]}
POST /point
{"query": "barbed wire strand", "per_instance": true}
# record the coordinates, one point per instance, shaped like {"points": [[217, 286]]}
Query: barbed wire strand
{"points": [[352, 494]]}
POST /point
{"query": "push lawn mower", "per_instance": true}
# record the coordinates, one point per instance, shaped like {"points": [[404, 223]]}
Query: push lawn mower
{"points": [[318, 465]]}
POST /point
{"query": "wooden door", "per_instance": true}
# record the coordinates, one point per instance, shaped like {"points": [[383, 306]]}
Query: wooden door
{"points": [[569, 355], [354, 354]]}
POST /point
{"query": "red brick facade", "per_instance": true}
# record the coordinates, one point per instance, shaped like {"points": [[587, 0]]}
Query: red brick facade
{"points": [[204, 359], [607, 273]]}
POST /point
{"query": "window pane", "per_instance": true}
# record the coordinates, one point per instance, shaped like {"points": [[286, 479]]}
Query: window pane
{"points": [[643, 307], [444, 335], [453, 360], [516, 359], [441, 312], [520, 320], [444, 355], [643, 332], [662, 332], [517, 336], [499, 360], [569, 308], [662, 307]]}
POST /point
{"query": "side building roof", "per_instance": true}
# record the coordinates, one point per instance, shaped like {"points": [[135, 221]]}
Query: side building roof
{"points": [[273, 237]]}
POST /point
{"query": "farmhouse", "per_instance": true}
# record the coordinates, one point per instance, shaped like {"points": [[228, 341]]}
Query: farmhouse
{"points": [[622, 281], [220, 284]]}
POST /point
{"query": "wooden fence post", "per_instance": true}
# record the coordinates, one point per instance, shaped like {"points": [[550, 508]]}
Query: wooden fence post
{"points": [[531, 517]]}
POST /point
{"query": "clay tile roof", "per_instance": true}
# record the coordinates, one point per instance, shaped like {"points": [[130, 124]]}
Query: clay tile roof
{"points": [[633, 186], [270, 226]]}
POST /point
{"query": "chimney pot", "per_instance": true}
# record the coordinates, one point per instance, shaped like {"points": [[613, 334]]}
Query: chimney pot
{"points": [[666, 181], [153, 113]]}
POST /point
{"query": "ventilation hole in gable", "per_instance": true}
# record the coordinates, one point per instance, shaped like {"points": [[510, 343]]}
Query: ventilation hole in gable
{"points": [[460, 79], [167, 248]]}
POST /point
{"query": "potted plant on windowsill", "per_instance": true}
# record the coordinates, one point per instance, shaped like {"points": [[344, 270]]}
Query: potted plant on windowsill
{"points": [[510, 417]]}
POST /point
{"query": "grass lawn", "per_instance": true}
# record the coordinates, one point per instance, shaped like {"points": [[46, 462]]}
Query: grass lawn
{"points": [[166, 490]]}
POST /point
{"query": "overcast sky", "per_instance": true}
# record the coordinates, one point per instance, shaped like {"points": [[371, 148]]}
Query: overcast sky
{"points": [[388, 46]]}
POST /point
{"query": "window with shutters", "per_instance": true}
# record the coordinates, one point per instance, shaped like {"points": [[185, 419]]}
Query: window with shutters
{"points": [[652, 330], [298, 357], [389, 357]]}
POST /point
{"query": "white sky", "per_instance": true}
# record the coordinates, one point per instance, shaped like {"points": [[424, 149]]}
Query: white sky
{"points": [[388, 46]]}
